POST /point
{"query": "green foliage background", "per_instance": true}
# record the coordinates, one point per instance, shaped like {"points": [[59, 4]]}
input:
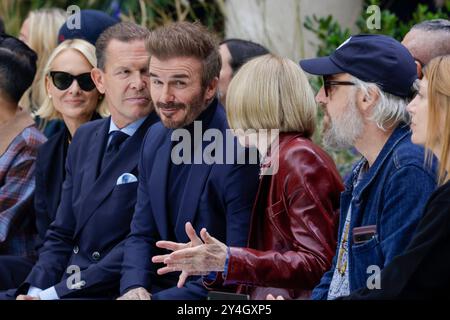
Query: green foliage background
{"points": [[150, 13]]}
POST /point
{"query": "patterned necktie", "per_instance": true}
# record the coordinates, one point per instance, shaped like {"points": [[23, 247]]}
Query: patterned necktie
{"points": [[117, 138]]}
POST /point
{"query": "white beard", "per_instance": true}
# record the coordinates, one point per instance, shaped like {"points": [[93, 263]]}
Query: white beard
{"points": [[343, 131]]}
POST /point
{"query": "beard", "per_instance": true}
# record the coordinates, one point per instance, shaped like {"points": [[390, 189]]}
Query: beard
{"points": [[342, 132], [191, 111]]}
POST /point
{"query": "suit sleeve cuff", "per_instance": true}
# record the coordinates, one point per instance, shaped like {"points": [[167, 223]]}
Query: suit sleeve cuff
{"points": [[49, 294], [33, 291]]}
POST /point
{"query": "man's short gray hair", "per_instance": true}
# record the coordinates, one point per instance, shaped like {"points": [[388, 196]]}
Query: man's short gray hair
{"points": [[390, 110], [433, 25], [432, 41]]}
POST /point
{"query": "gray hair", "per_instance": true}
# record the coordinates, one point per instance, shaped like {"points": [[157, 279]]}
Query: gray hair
{"points": [[390, 110], [433, 25], [124, 32], [432, 41]]}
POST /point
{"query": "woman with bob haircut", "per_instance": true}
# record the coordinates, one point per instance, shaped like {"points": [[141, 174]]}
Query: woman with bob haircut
{"points": [[71, 96], [421, 272], [292, 239]]}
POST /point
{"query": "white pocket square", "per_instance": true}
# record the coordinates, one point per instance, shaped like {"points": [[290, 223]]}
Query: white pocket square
{"points": [[126, 178]]}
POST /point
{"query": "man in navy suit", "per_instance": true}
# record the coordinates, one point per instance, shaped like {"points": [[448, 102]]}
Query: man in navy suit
{"points": [[218, 195], [83, 249]]}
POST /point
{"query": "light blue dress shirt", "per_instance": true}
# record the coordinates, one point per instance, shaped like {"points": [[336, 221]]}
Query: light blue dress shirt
{"points": [[129, 129]]}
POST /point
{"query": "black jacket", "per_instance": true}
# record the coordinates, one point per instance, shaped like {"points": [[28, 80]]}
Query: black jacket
{"points": [[50, 174]]}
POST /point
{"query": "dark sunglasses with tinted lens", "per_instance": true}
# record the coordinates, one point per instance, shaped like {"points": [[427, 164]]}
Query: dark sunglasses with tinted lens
{"points": [[328, 83], [63, 80]]}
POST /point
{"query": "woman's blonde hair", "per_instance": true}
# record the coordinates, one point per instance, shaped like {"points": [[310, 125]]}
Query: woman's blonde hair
{"points": [[44, 25], [47, 110], [271, 92], [437, 72]]}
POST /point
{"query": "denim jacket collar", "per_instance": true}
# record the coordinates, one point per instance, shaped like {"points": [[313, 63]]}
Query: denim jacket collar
{"points": [[397, 135]]}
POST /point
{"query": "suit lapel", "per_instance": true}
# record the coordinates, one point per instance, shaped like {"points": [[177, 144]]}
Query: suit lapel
{"points": [[192, 192], [195, 183], [125, 161], [158, 181], [60, 161], [95, 156]]}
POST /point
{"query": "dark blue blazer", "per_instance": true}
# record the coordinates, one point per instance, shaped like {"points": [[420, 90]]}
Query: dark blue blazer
{"points": [[93, 217], [218, 197], [50, 173]]}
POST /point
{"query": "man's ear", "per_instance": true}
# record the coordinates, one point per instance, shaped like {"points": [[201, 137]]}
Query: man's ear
{"points": [[419, 69], [366, 101], [98, 77], [211, 89]]}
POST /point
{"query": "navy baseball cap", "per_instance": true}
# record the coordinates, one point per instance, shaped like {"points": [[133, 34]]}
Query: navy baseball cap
{"points": [[92, 24], [371, 58]]}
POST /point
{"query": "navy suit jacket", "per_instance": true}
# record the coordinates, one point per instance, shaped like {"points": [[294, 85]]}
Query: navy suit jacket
{"points": [[93, 217], [218, 197], [50, 173]]}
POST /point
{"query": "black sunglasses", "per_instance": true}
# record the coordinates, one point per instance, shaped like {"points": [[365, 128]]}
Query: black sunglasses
{"points": [[328, 83], [63, 80]]}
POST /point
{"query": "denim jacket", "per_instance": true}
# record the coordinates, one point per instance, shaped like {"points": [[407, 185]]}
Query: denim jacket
{"points": [[391, 195]]}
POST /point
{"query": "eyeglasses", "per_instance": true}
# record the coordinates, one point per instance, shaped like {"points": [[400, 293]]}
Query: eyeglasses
{"points": [[63, 80], [328, 83]]}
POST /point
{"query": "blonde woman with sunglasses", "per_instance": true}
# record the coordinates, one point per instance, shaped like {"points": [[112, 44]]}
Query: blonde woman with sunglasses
{"points": [[71, 96]]}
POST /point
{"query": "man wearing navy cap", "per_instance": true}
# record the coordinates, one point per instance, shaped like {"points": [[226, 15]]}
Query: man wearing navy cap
{"points": [[368, 82]]}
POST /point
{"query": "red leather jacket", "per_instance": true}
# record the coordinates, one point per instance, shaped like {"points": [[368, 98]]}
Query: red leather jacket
{"points": [[293, 231]]}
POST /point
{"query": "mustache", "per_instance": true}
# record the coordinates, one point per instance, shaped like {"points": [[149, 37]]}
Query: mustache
{"points": [[171, 105]]}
